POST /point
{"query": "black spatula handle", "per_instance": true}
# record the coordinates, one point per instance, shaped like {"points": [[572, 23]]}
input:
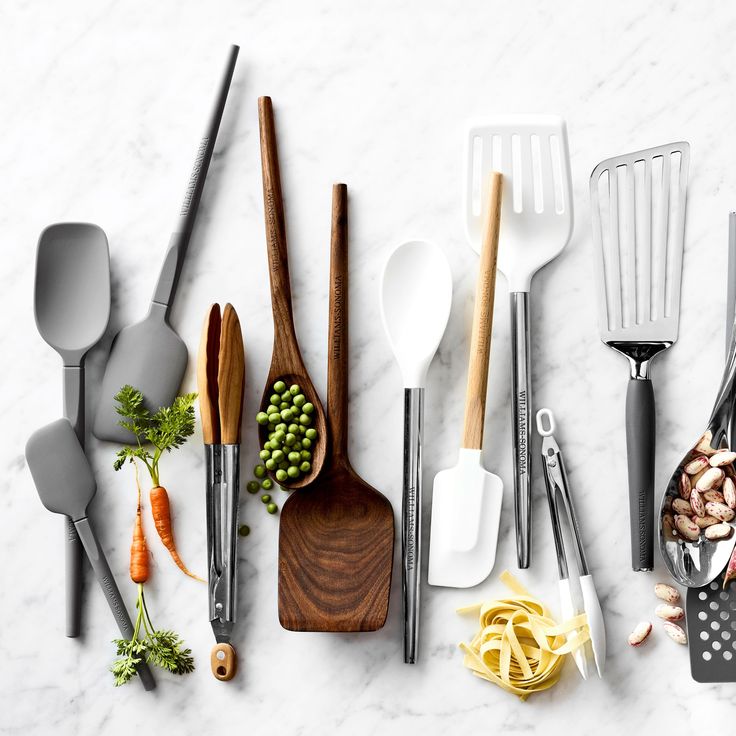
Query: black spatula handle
{"points": [[640, 443]]}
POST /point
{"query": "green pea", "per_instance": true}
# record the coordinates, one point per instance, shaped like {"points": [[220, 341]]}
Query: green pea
{"points": [[294, 457], [281, 475], [290, 439], [293, 471], [266, 498], [271, 464], [302, 430], [305, 467], [253, 486], [281, 427], [285, 396], [270, 435], [299, 400], [311, 434], [244, 530], [305, 455], [272, 409], [294, 389], [279, 435], [278, 456], [293, 428], [287, 415], [275, 399], [262, 417], [297, 445], [305, 419], [284, 464], [283, 405], [267, 484], [259, 471], [272, 508], [308, 408], [271, 445], [306, 443], [264, 454], [279, 387], [271, 426]]}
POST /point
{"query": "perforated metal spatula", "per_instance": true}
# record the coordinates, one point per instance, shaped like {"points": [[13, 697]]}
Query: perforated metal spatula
{"points": [[531, 153], [638, 215]]}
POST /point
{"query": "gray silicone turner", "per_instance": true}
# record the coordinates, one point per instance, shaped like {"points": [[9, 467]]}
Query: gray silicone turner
{"points": [[72, 309], [149, 354], [66, 485]]}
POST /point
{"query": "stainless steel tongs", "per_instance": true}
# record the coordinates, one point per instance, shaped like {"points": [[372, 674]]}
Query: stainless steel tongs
{"points": [[220, 375], [558, 494]]}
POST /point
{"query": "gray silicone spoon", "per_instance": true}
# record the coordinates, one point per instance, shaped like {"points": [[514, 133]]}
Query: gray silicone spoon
{"points": [[66, 485], [72, 308], [149, 354]]}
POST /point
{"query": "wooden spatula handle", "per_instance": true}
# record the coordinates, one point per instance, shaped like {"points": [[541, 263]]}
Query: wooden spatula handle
{"points": [[337, 353], [273, 208], [480, 341]]}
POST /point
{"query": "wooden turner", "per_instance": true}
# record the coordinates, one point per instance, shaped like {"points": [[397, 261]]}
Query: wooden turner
{"points": [[336, 539]]}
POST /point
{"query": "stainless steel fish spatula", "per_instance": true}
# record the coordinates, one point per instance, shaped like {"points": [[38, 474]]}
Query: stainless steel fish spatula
{"points": [[638, 216]]}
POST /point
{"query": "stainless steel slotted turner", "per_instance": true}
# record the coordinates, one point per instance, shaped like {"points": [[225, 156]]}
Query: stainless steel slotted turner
{"points": [[537, 215], [638, 216]]}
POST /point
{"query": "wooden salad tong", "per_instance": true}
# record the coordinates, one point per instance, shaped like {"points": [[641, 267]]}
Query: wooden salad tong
{"points": [[221, 378]]}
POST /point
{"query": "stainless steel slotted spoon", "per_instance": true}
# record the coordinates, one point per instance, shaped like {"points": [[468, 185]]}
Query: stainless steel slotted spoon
{"points": [[638, 216]]}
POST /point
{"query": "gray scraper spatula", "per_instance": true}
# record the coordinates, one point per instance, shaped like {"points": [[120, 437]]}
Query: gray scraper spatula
{"points": [[66, 485], [149, 354]]}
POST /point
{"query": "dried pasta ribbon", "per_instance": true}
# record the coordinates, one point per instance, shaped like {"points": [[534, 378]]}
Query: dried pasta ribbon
{"points": [[519, 646]]}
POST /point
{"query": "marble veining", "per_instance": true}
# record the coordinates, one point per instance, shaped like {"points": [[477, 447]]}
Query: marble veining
{"points": [[102, 106]]}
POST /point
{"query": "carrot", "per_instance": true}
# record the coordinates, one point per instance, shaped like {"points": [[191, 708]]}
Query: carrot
{"points": [[138, 551], [161, 512]]}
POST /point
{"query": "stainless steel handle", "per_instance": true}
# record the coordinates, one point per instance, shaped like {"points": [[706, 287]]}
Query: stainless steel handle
{"points": [[411, 518], [521, 409], [223, 492]]}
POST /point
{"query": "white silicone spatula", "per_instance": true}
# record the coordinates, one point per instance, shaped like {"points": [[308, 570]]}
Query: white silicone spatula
{"points": [[416, 295], [466, 501]]}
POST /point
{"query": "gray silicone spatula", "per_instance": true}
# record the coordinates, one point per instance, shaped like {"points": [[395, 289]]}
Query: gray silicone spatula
{"points": [[72, 309], [66, 485], [149, 354]]}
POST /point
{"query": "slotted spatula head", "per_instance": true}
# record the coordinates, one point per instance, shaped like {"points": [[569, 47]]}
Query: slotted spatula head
{"points": [[638, 216], [537, 214]]}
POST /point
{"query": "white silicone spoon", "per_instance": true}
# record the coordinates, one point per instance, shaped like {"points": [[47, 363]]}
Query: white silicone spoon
{"points": [[416, 295]]}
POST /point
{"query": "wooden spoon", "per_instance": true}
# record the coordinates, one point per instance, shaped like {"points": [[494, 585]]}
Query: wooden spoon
{"points": [[336, 539], [286, 362]]}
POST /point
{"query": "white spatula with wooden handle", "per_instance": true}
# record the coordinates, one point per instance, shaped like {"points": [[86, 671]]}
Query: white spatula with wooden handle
{"points": [[466, 501]]}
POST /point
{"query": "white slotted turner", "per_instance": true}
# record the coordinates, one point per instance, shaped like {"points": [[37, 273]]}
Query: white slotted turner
{"points": [[537, 213]]}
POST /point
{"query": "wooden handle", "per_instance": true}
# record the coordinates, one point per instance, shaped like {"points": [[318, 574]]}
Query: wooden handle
{"points": [[230, 376], [207, 357], [224, 662], [480, 341], [273, 208], [337, 352]]}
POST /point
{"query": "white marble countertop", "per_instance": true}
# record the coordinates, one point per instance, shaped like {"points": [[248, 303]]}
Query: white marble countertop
{"points": [[101, 107]]}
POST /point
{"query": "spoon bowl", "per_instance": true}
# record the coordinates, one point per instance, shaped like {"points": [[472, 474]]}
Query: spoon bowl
{"points": [[72, 290], [697, 563], [319, 447], [416, 296]]}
